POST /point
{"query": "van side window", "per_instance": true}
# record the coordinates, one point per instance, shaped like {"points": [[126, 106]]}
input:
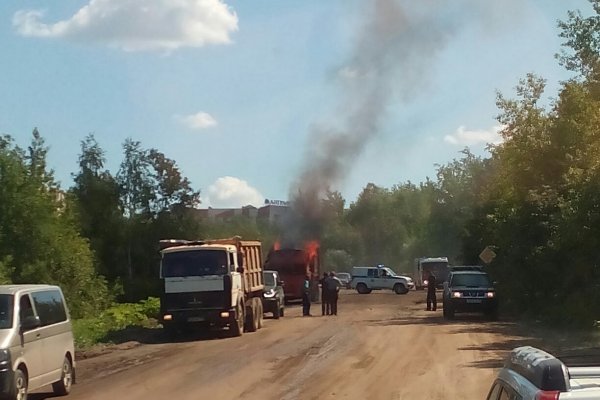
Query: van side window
{"points": [[50, 307], [25, 308]]}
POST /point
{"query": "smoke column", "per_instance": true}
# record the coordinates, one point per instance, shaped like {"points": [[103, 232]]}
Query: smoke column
{"points": [[391, 61]]}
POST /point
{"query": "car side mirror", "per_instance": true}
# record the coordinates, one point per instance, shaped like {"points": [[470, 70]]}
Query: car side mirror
{"points": [[280, 283], [29, 323]]}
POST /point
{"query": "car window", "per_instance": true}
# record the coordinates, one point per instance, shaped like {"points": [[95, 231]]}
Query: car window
{"points": [[25, 307], [494, 392], [477, 280], [6, 311], [50, 307]]}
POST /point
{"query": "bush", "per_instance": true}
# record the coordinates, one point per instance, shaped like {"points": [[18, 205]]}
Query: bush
{"points": [[89, 331]]}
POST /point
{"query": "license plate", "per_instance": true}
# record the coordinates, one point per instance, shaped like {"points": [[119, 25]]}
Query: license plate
{"points": [[473, 301], [195, 319]]}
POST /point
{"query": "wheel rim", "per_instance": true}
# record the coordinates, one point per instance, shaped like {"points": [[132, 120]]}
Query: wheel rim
{"points": [[21, 387], [67, 375], [240, 321]]}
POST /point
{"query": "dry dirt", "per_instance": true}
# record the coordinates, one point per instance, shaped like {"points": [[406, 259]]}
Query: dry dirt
{"points": [[380, 346]]}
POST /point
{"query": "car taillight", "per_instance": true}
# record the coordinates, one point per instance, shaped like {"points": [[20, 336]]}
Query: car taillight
{"points": [[547, 395]]}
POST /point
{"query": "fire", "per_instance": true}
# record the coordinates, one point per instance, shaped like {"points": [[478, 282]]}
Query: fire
{"points": [[311, 248]]}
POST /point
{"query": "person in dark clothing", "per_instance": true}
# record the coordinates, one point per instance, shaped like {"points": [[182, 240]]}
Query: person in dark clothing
{"points": [[306, 297], [325, 303], [333, 288], [431, 298]]}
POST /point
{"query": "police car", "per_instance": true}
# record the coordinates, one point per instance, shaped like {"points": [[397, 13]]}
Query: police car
{"points": [[533, 374]]}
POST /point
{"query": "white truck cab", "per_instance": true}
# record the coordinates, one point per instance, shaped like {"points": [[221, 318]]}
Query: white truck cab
{"points": [[367, 279]]}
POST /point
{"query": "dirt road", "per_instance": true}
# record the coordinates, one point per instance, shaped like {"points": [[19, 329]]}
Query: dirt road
{"points": [[381, 346]]}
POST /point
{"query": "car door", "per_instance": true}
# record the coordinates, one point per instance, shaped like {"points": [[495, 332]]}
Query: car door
{"points": [[31, 343], [55, 330]]}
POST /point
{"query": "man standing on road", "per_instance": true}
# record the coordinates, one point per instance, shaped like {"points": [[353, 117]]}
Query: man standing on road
{"points": [[306, 297], [325, 302], [333, 288], [431, 299]]}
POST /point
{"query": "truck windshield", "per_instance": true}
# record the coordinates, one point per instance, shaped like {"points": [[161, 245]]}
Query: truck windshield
{"points": [[470, 280], [194, 263], [6, 311]]}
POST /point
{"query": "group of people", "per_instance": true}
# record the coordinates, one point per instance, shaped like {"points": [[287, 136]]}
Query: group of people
{"points": [[330, 288]]}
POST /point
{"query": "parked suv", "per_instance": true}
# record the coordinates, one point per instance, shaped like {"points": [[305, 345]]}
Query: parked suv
{"points": [[469, 291], [345, 278], [532, 374], [273, 295], [36, 341], [367, 279]]}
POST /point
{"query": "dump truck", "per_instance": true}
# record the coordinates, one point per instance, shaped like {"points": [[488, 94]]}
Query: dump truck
{"points": [[211, 283], [293, 265]]}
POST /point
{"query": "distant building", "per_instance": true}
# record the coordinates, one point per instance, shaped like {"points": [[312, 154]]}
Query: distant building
{"points": [[270, 212]]}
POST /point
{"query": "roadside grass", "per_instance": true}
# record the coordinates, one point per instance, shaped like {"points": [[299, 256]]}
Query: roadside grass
{"points": [[105, 327]]}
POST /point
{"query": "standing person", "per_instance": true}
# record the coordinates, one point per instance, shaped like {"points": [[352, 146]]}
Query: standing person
{"points": [[325, 303], [431, 298], [333, 287], [306, 297]]}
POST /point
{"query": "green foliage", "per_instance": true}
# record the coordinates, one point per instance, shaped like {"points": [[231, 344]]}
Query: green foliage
{"points": [[89, 331]]}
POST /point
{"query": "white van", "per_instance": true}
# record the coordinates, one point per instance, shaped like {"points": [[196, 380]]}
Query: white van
{"points": [[36, 341]]}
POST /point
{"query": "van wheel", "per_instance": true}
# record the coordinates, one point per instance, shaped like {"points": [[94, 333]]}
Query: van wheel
{"points": [[20, 388], [63, 387], [400, 288], [277, 311], [362, 288]]}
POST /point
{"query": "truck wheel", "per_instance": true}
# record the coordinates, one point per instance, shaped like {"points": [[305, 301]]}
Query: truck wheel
{"points": [[251, 319], [362, 288], [260, 314], [237, 327], [277, 311], [400, 288]]}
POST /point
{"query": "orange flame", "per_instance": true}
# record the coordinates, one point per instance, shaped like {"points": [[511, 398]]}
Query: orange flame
{"points": [[311, 249]]}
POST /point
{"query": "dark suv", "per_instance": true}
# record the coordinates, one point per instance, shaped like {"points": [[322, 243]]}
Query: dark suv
{"points": [[470, 291], [273, 296]]}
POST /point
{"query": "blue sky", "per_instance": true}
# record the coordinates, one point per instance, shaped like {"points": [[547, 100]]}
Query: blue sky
{"points": [[232, 89]]}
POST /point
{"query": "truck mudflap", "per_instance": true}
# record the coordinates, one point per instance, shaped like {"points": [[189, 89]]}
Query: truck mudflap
{"points": [[219, 317]]}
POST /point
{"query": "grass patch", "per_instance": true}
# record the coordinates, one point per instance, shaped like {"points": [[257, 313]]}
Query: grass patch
{"points": [[100, 329]]}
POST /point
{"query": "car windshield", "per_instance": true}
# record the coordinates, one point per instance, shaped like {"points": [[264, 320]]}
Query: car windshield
{"points": [[6, 311], [194, 263], [390, 272], [269, 279], [471, 280]]}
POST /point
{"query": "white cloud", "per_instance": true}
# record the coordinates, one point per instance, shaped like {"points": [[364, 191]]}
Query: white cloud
{"points": [[230, 192], [465, 137], [138, 25], [201, 120]]}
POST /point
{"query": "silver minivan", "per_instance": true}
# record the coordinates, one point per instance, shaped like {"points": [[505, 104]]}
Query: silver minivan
{"points": [[36, 341]]}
